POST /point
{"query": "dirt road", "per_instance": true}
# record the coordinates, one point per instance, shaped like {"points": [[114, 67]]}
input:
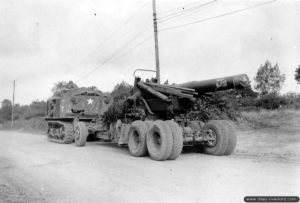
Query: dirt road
{"points": [[35, 170]]}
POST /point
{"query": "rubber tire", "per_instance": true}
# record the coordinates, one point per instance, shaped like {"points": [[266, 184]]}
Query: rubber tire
{"points": [[138, 149], [222, 137], [83, 133], [232, 137], [162, 151], [177, 139]]}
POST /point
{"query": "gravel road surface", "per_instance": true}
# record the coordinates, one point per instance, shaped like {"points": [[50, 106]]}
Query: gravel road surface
{"points": [[35, 170]]}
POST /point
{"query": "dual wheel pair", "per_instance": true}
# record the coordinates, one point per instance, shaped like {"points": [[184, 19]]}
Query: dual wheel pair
{"points": [[164, 139], [161, 139], [222, 138]]}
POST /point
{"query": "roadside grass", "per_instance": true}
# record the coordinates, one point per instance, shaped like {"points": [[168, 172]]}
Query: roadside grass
{"points": [[37, 124], [281, 119], [269, 135]]}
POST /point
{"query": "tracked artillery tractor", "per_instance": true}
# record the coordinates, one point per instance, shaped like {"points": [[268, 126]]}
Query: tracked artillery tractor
{"points": [[75, 114]]}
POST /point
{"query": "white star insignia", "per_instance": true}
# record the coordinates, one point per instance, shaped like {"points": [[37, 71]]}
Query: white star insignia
{"points": [[90, 101]]}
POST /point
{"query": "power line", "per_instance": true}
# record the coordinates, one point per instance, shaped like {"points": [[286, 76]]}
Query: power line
{"points": [[178, 9], [121, 26], [132, 38], [115, 58], [170, 19], [217, 16], [115, 32], [118, 49], [184, 12], [125, 45], [140, 28], [115, 55], [132, 48]]}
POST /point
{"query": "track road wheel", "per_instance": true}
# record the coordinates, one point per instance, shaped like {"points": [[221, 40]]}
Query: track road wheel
{"points": [[218, 135], [177, 140], [232, 137], [80, 134], [160, 141], [137, 138], [68, 129]]}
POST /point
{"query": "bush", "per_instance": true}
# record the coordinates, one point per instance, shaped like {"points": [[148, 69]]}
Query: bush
{"points": [[214, 107], [292, 100], [272, 101], [248, 102], [35, 109], [121, 91], [268, 102]]}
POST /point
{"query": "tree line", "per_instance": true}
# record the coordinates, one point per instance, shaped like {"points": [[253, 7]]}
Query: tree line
{"points": [[268, 83], [35, 109]]}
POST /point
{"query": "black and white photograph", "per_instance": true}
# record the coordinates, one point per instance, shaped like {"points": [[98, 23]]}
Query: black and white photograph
{"points": [[163, 101]]}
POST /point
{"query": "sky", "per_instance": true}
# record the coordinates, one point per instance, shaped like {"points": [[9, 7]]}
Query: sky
{"points": [[101, 43]]}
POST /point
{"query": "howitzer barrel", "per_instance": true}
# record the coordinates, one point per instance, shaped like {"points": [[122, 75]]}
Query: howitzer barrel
{"points": [[218, 84]]}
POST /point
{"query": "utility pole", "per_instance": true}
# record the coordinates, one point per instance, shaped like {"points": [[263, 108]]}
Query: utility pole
{"points": [[156, 41], [13, 104]]}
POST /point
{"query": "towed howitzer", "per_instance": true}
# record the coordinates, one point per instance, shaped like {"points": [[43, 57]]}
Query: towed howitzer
{"points": [[160, 118]]}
